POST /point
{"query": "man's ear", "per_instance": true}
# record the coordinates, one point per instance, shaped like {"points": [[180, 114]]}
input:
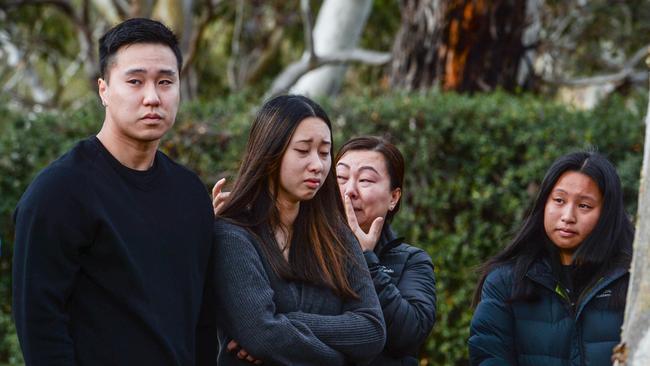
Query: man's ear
{"points": [[102, 86]]}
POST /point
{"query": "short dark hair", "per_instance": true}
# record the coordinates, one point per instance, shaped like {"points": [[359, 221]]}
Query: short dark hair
{"points": [[132, 31], [392, 156]]}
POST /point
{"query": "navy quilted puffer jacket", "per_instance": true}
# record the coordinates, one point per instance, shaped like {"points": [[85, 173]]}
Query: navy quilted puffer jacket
{"points": [[546, 332]]}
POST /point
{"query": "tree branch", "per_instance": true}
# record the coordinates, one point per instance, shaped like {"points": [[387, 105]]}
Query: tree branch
{"points": [[627, 72], [638, 56], [268, 55], [206, 18], [122, 8], [233, 80], [356, 55], [309, 31], [294, 71]]}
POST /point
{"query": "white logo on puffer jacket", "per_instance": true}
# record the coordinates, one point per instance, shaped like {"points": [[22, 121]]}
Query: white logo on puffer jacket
{"points": [[606, 293]]}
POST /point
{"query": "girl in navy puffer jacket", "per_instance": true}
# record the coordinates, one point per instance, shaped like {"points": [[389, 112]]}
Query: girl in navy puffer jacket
{"points": [[556, 294]]}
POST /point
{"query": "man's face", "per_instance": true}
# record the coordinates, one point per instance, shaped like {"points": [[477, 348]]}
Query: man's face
{"points": [[141, 92]]}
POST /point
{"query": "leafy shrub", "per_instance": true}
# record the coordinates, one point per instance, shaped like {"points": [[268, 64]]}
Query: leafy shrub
{"points": [[473, 165]]}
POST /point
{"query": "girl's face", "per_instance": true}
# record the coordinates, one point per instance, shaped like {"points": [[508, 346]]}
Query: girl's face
{"points": [[571, 212], [362, 175], [306, 161]]}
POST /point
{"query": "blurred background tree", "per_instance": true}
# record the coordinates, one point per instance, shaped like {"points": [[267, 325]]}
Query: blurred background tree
{"points": [[469, 89], [580, 50]]}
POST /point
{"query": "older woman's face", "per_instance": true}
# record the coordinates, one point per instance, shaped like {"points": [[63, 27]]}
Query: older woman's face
{"points": [[363, 176], [571, 212]]}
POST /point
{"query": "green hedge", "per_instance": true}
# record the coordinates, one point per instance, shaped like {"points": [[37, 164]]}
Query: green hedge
{"points": [[474, 164]]}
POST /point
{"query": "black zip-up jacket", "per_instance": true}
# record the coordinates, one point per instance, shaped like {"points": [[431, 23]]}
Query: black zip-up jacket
{"points": [[405, 284]]}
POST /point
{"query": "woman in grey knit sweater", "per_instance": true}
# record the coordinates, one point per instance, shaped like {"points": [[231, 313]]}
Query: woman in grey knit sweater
{"points": [[293, 287]]}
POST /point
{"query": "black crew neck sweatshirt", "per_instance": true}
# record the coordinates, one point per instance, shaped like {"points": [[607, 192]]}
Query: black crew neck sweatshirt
{"points": [[110, 263]]}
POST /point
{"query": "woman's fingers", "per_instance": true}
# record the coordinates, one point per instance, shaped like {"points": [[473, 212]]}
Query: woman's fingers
{"points": [[217, 187], [375, 231], [232, 345], [350, 215], [219, 198], [220, 201]]}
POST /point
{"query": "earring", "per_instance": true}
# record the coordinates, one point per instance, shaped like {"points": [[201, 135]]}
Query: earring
{"points": [[103, 103]]}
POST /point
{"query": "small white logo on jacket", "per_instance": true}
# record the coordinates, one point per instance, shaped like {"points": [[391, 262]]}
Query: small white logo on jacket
{"points": [[606, 293]]}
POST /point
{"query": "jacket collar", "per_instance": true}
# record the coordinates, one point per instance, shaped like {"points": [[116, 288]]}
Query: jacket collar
{"points": [[600, 285], [540, 272], [387, 241]]}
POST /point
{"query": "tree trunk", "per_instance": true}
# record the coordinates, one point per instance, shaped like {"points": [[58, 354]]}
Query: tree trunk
{"points": [[338, 27], [177, 14], [461, 45], [530, 38], [636, 328]]}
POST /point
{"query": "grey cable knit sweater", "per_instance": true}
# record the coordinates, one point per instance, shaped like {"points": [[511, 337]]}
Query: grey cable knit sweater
{"points": [[286, 322]]}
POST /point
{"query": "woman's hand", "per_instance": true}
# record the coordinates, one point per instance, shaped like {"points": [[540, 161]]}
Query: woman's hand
{"points": [[219, 198], [367, 240], [233, 346]]}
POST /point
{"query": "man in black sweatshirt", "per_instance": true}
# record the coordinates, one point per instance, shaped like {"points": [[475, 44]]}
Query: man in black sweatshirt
{"points": [[114, 239]]}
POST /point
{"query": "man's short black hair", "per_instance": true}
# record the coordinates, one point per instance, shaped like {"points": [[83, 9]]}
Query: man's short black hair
{"points": [[136, 30]]}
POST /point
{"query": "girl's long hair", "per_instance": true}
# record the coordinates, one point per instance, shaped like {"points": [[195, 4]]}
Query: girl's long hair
{"points": [[608, 246], [319, 239]]}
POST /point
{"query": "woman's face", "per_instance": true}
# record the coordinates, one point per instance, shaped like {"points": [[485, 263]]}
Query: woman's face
{"points": [[306, 161], [571, 212], [362, 175]]}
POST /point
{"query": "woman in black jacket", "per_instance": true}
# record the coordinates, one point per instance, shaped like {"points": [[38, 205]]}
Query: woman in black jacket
{"points": [[556, 294], [370, 174]]}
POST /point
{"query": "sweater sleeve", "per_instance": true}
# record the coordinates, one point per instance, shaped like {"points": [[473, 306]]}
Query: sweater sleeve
{"points": [[359, 331], [247, 312], [51, 229], [410, 307], [491, 339]]}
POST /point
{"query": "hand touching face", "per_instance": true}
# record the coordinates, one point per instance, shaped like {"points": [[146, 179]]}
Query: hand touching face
{"points": [[362, 176]]}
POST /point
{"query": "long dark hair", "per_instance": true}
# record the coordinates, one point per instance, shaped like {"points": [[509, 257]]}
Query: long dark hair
{"points": [[608, 246], [319, 240], [392, 156]]}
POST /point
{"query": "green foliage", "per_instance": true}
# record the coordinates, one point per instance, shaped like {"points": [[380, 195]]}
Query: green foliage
{"points": [[474, 164]]}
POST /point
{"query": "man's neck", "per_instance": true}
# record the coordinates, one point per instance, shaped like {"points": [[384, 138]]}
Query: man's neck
{"points": [[132, 154]]}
